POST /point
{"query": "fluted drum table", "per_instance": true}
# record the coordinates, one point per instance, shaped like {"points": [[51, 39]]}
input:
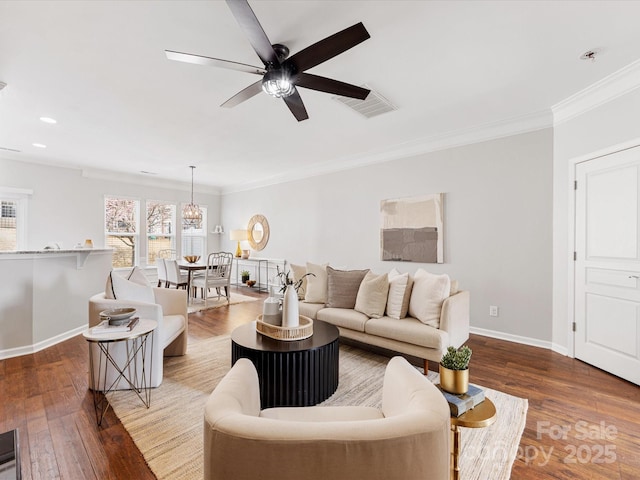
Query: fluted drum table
{"points": [[292, 373]]}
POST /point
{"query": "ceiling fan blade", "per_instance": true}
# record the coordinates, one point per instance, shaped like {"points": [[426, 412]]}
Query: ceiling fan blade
{"points": [[294, 102], [329, 47], [251, 91], [213, 62], [253, 30], [328, 85]]}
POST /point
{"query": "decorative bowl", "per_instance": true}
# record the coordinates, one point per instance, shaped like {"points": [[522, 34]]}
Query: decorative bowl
{"points": [[251, 283], [192, 258], [117, 316]]}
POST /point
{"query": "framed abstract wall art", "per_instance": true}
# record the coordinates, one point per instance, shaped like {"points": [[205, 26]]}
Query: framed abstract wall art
{"points": [[412, 229]]}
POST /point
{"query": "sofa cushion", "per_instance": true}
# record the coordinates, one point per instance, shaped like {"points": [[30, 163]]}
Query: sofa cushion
{"points": [[343, 286], [454, 287], [400, 285], [408, 330], [323, 414], [427, 295], [299, 272], [372, 295], [124, 289], [343, 317], [316, 290], [309, 309]]}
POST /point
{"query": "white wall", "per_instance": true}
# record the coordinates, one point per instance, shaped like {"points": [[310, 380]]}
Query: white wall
{"points": [[498, 220], [614, 123], [68, 208]]}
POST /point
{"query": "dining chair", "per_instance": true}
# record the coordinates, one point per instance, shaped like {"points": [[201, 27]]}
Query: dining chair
{"points": [[167, 254], [162, 272], [174, 275], [217, 275]]}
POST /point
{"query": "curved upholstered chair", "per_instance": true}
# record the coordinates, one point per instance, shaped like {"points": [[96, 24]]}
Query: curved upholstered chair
{"points": [[169, 338], [407, 439]]}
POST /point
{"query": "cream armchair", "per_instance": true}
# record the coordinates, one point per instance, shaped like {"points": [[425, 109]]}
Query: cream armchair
{"points": [[407, 439], [169, 338]]}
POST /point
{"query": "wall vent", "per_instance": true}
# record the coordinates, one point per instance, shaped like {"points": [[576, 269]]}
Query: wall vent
{"points": [[374, 105]]}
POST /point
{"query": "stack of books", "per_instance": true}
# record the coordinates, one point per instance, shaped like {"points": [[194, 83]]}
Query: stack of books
{"points": [[459, 404], [104, 327]]}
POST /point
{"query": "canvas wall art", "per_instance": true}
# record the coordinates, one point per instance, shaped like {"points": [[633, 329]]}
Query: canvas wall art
{"points": [[412, 229]]}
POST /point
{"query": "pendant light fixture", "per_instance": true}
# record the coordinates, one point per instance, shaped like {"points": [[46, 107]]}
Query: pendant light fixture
{"points": [[191, 212]]}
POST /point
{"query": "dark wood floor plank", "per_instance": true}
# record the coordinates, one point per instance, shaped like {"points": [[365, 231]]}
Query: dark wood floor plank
{"points": [[45, 395]]}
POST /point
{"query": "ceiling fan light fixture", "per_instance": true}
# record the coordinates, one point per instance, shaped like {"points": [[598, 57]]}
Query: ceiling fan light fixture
{"points": [[277, 83]]}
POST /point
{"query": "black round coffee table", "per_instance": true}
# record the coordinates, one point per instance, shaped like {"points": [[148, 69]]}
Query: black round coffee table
{"points": [[292, 373]]}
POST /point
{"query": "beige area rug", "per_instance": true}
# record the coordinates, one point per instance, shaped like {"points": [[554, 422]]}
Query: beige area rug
{"points": [[197, 304], [169, 434]]}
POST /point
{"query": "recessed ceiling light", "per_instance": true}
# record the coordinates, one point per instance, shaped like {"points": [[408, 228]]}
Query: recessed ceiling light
{"points": [[39, 145], [48, 120]]}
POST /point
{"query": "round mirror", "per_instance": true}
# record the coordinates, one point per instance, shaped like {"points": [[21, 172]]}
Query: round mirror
{"points": [[258, 229]]}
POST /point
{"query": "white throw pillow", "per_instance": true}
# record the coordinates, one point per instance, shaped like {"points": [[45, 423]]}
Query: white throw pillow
{"points": [[316, 283], [135, 275], [429, 291], [400, 285], [124, 289], [299, 272], [372, 295]]}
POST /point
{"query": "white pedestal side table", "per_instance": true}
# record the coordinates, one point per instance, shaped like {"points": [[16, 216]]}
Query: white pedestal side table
{"points": [[128, 369]]}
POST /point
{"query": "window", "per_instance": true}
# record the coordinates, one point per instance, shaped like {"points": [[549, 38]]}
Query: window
{"points": [[161, 221], [8, 225], [121, 230], [13, 215], [194, 237]]}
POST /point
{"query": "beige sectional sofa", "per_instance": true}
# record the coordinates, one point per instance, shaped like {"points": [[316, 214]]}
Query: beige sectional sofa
{"points": [[443, 310]]}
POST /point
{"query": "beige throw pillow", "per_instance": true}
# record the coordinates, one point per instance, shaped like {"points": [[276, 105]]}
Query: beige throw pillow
{"points": [[299, 271], [316, 291], [400, 285], [372, 295], [429, 291], [343, 286]]}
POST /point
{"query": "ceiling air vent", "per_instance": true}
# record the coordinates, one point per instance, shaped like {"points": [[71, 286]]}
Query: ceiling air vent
{"points": [[374, 105]]}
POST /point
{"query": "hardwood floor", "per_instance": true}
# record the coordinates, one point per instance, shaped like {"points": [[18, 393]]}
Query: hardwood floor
{"points": [[581, 423]]}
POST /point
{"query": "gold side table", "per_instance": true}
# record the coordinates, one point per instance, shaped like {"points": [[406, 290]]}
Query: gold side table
{"points": [[482, 415]]}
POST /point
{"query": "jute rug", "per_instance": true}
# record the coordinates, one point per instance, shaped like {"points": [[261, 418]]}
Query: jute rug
{"points": [[197, 304], [169, 434]]}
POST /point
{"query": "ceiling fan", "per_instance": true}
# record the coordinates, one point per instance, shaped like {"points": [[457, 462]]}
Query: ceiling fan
{"points": [[281, 74]]}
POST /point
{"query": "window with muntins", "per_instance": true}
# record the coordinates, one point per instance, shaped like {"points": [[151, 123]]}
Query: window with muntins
{"points": [[161, 229], [122, 230]]}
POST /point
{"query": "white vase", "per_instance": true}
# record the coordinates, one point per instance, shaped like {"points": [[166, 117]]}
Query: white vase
{"points": [[290, 310], [271, 312]]}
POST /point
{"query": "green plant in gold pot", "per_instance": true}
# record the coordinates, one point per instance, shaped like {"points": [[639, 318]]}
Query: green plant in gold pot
{"points": [[454, 370]]}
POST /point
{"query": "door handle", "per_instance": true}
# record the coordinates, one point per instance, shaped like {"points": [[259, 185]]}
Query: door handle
{"points": [[634, 276]]}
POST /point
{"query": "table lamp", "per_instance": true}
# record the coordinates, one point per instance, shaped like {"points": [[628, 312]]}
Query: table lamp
{"points": [[239, 235]]}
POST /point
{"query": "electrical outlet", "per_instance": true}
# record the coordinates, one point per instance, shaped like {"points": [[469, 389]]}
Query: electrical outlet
{"points": [[493, 311]]}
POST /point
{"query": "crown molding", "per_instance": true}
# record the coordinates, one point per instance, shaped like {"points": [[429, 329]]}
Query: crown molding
{"points": [[477, 134], [148, 181], [609, 88]]}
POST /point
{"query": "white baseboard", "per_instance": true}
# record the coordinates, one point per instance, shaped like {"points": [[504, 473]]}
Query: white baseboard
{"points": [[562, 350], [36, 347], [534, 342]]}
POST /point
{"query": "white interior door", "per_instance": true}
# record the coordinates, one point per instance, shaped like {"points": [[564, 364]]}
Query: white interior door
{"points": [[607, 274]]}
